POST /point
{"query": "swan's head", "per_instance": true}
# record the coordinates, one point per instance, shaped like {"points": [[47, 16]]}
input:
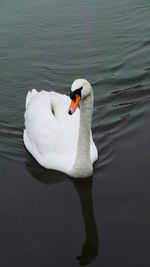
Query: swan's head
{"points": [[80, 89]]}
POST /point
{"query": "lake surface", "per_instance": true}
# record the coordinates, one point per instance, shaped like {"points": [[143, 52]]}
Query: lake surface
{"points": [[46, 218]]}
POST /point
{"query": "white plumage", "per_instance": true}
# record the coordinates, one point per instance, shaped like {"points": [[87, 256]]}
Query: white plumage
{"points": [[51, 134]]}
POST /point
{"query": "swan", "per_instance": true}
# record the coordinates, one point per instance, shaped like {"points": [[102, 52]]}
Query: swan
{"points": [[58, 133]]}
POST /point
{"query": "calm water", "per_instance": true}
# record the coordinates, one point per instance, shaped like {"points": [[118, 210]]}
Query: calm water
{"points": [[46, 218]]}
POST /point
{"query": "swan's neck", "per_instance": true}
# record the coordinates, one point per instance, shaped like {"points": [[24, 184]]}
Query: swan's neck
{"points": [[83, 165]]}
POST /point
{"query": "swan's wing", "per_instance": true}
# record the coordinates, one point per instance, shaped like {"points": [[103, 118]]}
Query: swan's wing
{"points": [[50, 133], [29, 96]]}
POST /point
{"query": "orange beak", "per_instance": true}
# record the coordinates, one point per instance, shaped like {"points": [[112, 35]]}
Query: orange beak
{"points": [[74, 104]]}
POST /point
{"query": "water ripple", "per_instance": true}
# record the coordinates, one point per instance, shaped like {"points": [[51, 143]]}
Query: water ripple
{"points": [[11, 142], [118, 115]]}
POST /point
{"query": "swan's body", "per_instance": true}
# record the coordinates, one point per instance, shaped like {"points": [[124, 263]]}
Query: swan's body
{"points": [[54, 138]]}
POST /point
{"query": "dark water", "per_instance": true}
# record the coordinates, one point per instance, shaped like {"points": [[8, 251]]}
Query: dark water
{"points": [[46, 218]]}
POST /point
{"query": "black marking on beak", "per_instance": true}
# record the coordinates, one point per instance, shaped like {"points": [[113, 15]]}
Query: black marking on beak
{"points": [[70, 112], [72, 95]]}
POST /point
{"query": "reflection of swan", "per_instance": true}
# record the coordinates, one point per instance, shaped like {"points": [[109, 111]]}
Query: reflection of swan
{"points": [[55, 139], [89, 250]]}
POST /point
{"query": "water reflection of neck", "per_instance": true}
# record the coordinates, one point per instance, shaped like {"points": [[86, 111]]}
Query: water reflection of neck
{"points": [[90, 248]]}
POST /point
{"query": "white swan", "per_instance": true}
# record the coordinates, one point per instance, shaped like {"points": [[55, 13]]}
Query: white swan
{"points": [[54, 138]]}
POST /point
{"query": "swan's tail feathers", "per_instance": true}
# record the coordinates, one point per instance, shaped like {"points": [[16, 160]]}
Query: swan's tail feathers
{"points": [[30, 94]]}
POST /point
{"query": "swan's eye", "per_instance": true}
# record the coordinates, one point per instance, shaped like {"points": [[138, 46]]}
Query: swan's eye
{"points": [[78, 91], [74, 93]]}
